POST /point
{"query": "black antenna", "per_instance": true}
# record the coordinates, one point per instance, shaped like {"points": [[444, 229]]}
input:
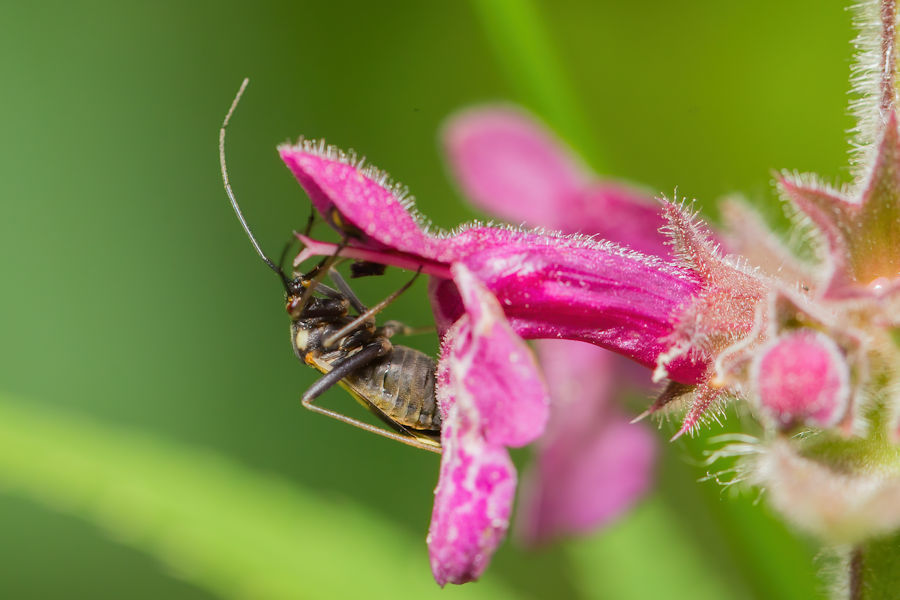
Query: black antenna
{"points": [[234, 203]]}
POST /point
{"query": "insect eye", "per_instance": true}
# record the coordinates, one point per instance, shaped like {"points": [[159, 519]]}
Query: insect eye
{"points": [[293, 306]]}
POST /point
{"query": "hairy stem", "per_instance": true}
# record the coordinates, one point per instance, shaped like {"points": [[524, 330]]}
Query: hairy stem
{"points": [[888, 54], [874, 570], [856, 561]]}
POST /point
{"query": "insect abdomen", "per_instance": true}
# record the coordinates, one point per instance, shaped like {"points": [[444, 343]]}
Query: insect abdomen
{"points": [[401, 385]]}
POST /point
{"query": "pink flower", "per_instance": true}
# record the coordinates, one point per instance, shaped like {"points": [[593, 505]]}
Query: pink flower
{"points": [[811, 346], [592, 463], [490, 288], [550, 285]]}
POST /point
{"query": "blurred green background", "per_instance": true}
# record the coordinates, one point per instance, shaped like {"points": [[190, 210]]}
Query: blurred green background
{"points": [[151, 438]]}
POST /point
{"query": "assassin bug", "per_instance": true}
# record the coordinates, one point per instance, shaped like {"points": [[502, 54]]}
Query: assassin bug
{"points": [[395, 383]]}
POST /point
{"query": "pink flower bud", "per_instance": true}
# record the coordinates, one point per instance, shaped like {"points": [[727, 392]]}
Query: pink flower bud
{"points": [[802, 377]]}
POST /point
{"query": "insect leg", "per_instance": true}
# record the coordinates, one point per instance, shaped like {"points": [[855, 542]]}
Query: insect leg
{"points": [[340, 371], [407, 439], [392, 328], [362, 318], [345, 289], [344, 367], [364, 268], [306, 231], [310, 221], [320, 287], [328, 291], [316, 280]]}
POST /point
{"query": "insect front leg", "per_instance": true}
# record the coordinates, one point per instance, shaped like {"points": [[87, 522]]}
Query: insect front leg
{"points": [[369, 314]]}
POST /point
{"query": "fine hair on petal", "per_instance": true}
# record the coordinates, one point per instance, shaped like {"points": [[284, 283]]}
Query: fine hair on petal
{"points": [[378, 176]]}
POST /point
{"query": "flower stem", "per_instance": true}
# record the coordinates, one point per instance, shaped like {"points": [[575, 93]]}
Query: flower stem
{"points": [[874, 569], [856, 573]]}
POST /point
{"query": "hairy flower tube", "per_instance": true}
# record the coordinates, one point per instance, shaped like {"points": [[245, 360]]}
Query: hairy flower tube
{"points": [[809, 346]]}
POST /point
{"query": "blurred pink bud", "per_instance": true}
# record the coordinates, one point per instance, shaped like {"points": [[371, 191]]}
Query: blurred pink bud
{"points": [[802, 377]]}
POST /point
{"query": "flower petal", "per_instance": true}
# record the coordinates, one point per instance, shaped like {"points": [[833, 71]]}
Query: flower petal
{"points": [[509, 165], [592, 463], [497, 368], [473, 499], [359, 201], [491, 396]]}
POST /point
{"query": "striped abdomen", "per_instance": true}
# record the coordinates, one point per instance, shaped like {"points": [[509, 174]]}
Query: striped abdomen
{"points": [[401, 385]]}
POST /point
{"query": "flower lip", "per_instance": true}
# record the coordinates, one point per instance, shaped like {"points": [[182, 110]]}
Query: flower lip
{"points": [[512, 397], [357, 198], [492, 396], [367, 200]]}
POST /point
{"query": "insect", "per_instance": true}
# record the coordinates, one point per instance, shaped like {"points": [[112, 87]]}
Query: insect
{"points": [[395, 383]]}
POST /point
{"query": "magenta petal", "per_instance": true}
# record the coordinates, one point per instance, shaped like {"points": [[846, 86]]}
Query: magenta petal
{"points": [[473, 499], [510, 166], [491, 396], [592, 463], [617, 213], [497, 368], [362, 199], [446, 304], [577, 490], [602, 294]]}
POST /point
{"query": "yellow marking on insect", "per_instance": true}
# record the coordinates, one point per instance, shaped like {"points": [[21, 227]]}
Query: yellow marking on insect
{"points": [[311, 359], [301, 339]]}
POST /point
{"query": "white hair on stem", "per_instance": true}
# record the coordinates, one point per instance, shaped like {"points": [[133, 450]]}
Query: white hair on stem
{"points": [[873, 76]]}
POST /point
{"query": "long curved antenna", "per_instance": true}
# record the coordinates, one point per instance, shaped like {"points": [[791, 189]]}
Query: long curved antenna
{"points": [[230, 192]]}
